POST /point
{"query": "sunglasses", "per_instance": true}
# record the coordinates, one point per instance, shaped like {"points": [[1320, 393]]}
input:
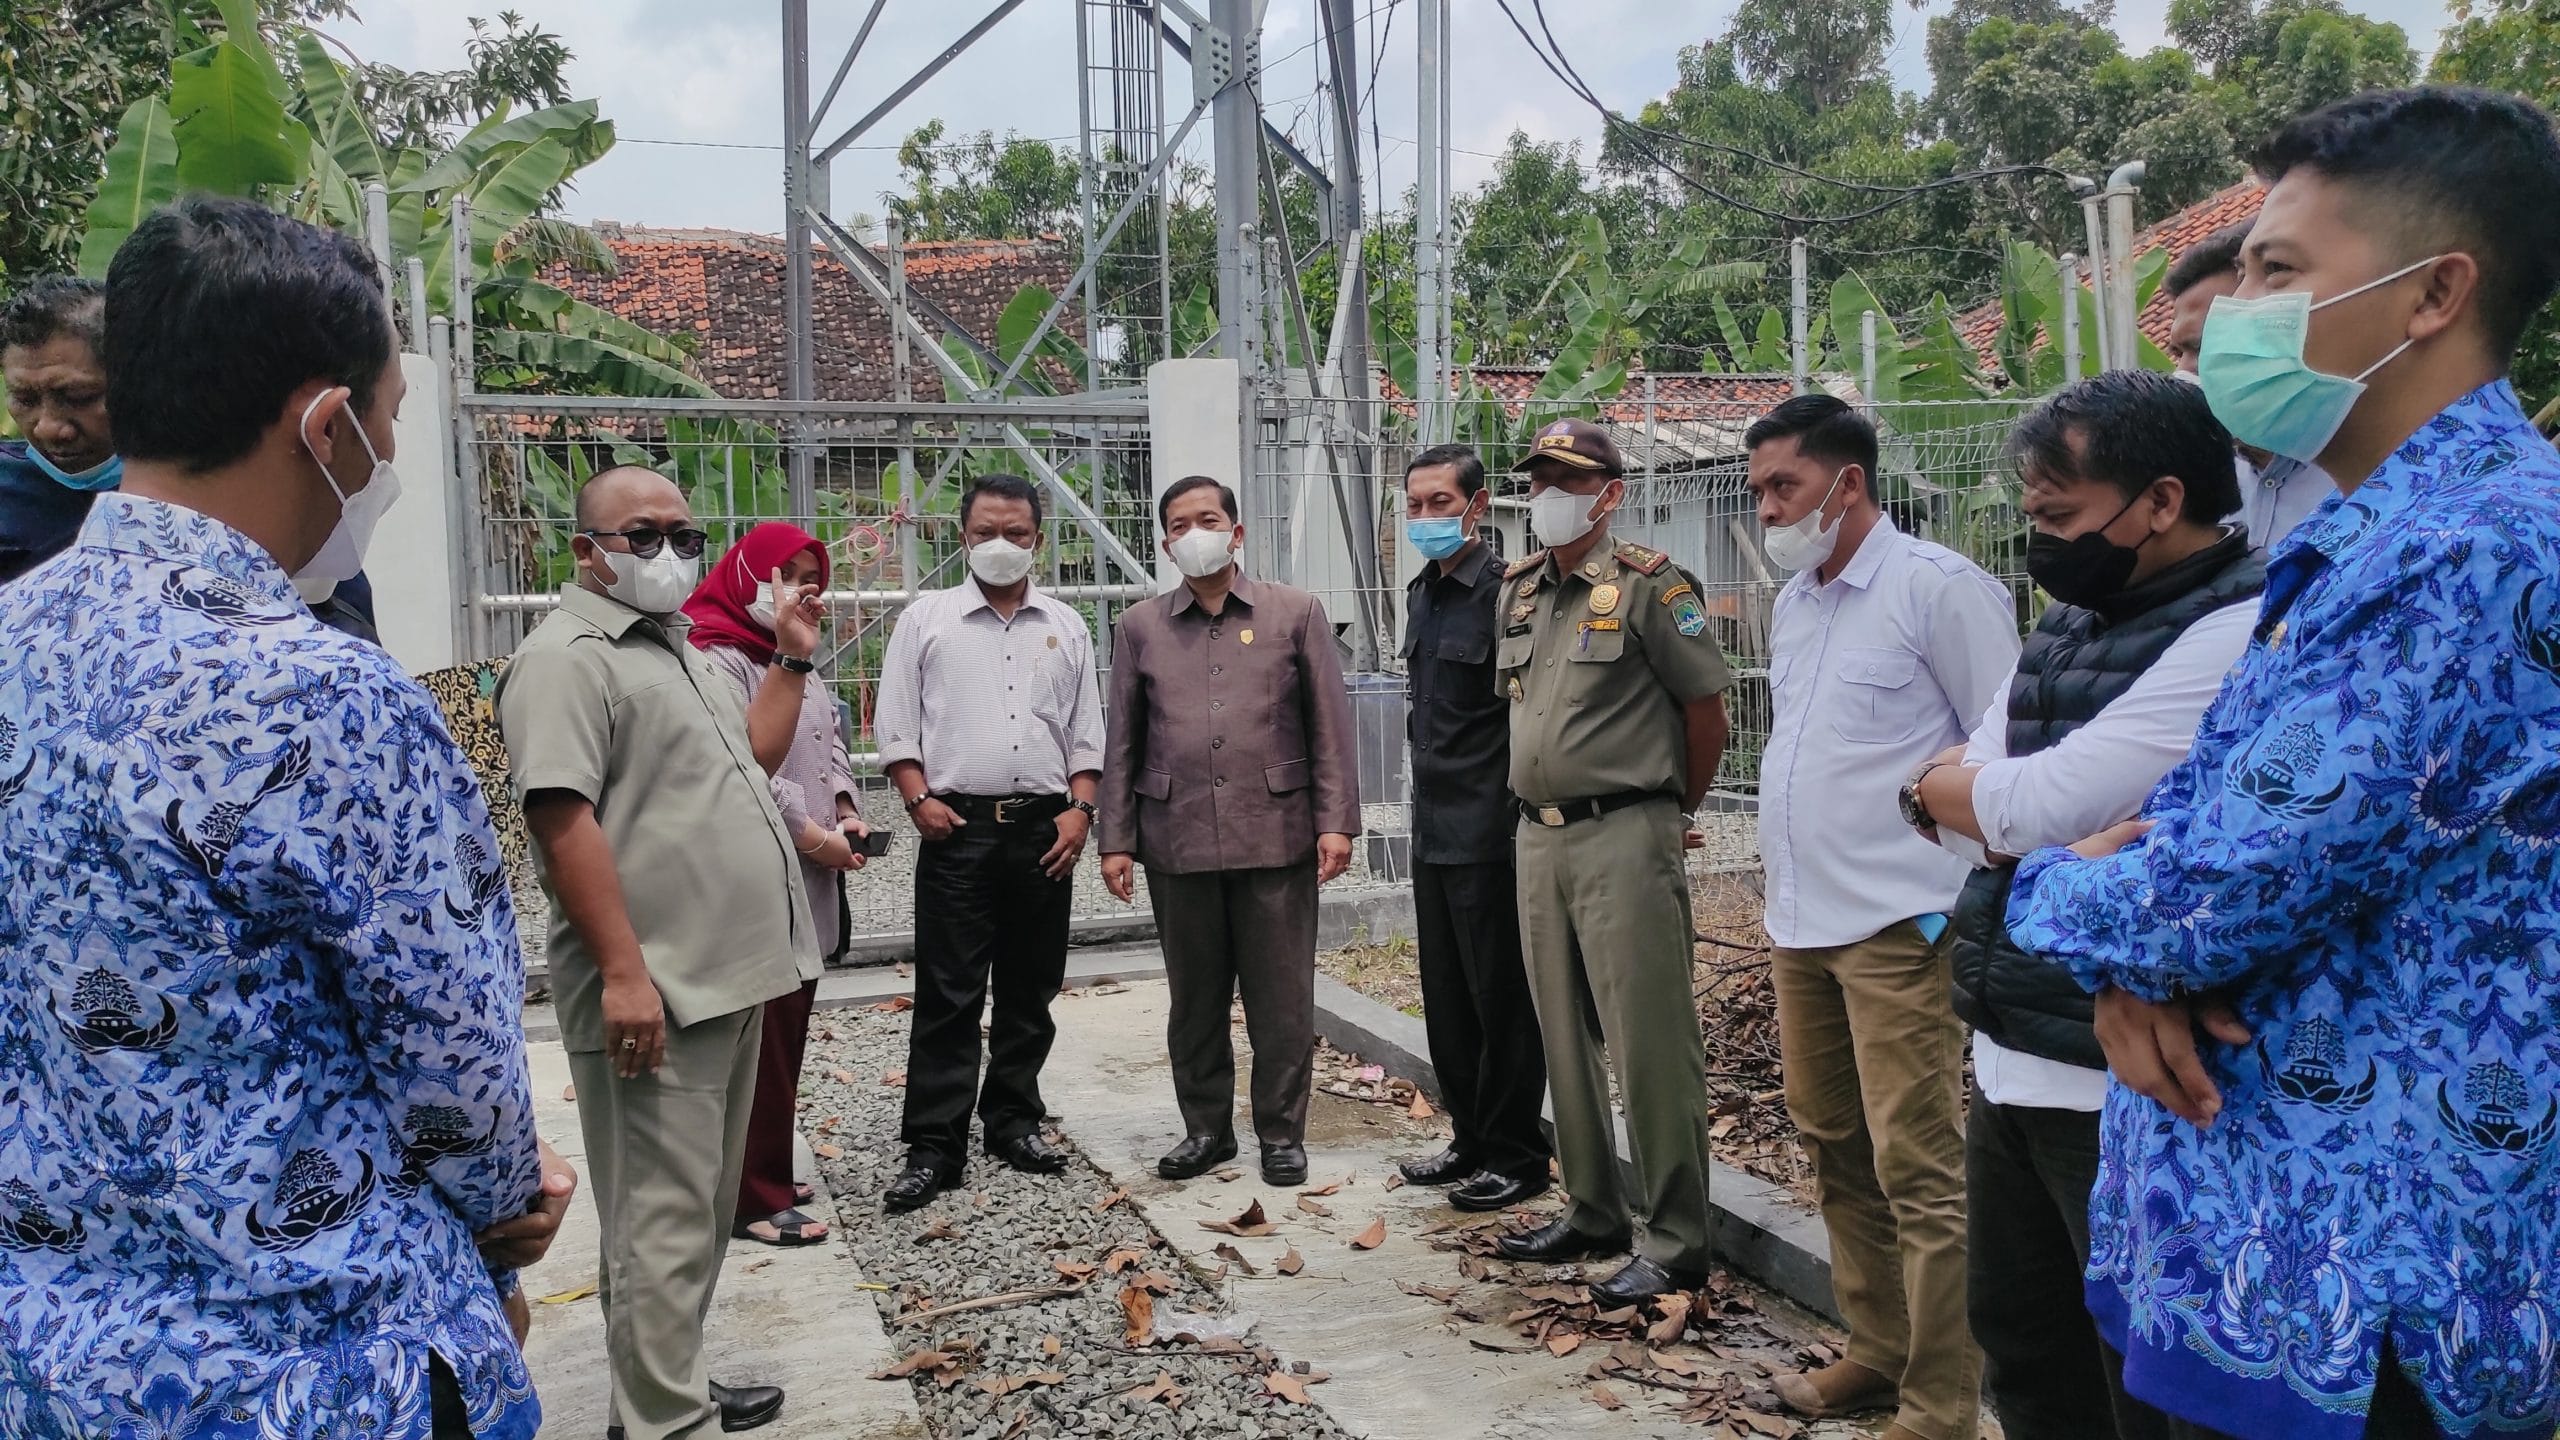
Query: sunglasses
{"points": [[646, 540]]}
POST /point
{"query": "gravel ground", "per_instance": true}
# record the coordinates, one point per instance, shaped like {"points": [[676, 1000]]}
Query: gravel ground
{"points": [[1009, 1232]]}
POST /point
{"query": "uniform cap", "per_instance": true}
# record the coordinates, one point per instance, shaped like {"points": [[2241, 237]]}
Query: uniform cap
{"points": [[1577, 443]]}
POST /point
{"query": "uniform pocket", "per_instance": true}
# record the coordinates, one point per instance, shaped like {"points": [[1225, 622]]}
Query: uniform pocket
{"points": [[1288, 775], [1596, 647], [1466, 649], [1878, 703], [1154, 784], [1515, 652]]}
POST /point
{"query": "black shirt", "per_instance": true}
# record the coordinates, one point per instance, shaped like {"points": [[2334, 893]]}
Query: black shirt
{"points": [[1458, 723]]}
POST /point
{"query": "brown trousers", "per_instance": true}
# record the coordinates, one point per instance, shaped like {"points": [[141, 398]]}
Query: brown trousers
{"points": [[1875, 1082], [1253, 931]]}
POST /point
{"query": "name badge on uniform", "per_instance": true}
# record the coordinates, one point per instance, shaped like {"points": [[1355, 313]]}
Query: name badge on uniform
{"points": [[1053, 642], [1244, 637], [1590, 625]]}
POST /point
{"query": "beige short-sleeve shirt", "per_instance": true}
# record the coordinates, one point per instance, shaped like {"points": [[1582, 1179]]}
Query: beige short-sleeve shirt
{"points": [[615, 706]]}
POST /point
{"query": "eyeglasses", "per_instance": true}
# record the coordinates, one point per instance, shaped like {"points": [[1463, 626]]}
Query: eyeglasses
{"points": [[647, 540]]}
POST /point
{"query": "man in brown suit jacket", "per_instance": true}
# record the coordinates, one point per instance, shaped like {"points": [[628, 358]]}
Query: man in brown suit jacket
{"points": [[1228, 771]]}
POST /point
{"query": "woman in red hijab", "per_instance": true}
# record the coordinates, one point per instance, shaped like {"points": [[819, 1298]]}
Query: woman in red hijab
{"points": [[732, 625]]}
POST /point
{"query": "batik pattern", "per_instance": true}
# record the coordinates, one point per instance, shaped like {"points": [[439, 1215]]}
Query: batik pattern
{"points": [[262, 1072], [2360, 853]]}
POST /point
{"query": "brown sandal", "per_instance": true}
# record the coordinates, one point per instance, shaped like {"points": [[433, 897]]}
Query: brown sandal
{"points": [[790, 1228]]}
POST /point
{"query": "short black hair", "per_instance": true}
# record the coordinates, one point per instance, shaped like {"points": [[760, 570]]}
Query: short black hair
{"points": [[2134, 427], [2451, 167], [217, 310], [2215, 255], [1187, 484], [1824, 427], [1461, 458], [51, 305], [1002, 487]]}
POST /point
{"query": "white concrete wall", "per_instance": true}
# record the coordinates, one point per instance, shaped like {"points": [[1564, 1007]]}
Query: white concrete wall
{"points": [[1194, 408], [413, 559]]}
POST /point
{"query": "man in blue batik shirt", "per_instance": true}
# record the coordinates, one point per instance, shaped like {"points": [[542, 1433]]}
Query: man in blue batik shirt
{"points": [[2339, 1214], [266, 1141]]}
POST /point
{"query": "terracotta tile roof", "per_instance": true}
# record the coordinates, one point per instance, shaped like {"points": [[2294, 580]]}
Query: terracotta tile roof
{"points": [[724, 288], [1981, 324], [1676, 396]]}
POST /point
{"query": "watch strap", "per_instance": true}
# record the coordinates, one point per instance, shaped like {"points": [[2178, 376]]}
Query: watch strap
{"points": [[794, 663]]}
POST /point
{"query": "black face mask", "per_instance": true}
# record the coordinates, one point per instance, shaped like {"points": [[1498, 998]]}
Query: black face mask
{"points": [[2084, 569]]}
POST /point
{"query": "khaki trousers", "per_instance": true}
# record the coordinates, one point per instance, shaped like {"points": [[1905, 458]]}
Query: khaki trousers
{"points": [[1875, 1082], [1604, 926], [664, 1153]]}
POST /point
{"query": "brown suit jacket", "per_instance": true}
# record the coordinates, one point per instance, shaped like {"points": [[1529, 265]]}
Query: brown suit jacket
{"points": [[1230, 743]]}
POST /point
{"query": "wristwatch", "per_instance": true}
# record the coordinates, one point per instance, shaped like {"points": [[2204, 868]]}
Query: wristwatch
{"points": [[1915, 812], [1090, 809], [794, 663], [912, 801]]}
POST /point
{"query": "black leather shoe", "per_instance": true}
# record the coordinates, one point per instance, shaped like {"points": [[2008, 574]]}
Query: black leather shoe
{"points": [[1446, 1168], [1284, 1164], [745, 1407], [1197, 1155], [916, 1185], [1640, 1280], [1558, 1240], [1486, 1190], [1031, 1153]]}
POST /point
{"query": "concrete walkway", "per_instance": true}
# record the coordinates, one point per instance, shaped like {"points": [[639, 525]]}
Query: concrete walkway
{"points": [[794, 1318], [1403, 1366]]}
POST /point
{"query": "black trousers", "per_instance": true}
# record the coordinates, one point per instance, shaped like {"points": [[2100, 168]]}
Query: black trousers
{"points": [[1477, 1012], [985, 917], [2028, 1173], [2399, 1412], [447, 1417]]}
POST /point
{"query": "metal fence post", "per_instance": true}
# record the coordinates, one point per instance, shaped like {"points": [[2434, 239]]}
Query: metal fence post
{"points": [[2070, 336], [466, 377], [1803, 363], [1867, 355]]}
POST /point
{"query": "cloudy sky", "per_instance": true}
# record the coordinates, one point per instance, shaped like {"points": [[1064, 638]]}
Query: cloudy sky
{"points": [[709, 77]]}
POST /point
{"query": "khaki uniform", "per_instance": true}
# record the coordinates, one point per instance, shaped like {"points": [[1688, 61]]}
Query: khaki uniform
{"points": [[1598, 665]]}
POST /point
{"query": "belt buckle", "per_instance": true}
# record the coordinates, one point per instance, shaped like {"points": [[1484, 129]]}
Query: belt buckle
{"points": [[1551, 816], [1004, 806]]}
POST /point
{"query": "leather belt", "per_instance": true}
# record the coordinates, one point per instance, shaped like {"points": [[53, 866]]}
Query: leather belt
{"points": [[1566, 812], [1004, 809]]}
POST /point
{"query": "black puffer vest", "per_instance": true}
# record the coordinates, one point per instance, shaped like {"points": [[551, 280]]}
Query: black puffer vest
{"points": [[2075, 664]]}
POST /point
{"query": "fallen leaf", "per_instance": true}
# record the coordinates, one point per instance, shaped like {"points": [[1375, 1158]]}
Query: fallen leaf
{"points": [[921, 1362], [563, 1297], [903, 973], [1119, 1260], [1161, 1389], [1675, 1319], [1421, 1108], [979, 1200], [1333, 1189], [1291, 1263], [895, 1079], [938, 1230], [1138, 1312], [1563, 1343], [1114, 1198], [1077, 1270], [841, 1077], [895, 1003], [1312, 1208], [1604, 1397], [1442, 1293], [1501, 1349], [569, 1092], [1235, 1257], [1624, 1314], [1229, 1177], [1766, 1424], [1395, 1180], [1674, 1364], [1249, 1225], [827, 1152], [1287, 1387], [1003, 1385], [1154, 1282], [1049, 1346], [1373, 1237]]}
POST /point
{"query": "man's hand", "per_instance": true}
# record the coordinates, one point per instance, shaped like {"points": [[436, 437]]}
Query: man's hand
{"points": [[2152, 1049], [2112, 839], [635, 1028], [797, 615], [935, 820], [515, 1244], [1333, 855], [1119, 876], [1061, 859]]}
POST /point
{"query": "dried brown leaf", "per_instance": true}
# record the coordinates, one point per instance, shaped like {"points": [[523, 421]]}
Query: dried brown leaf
{"points": [[1119, 1260], [1675, 1319], [1078, 1271], [1235, 1257], [938, 1230], [1373, 1237], [1154, 1282], [1287, 1387], [841, 1077], [1420, 1109], [1116, 1197], [1563, 1343], [569, 1092], [1313, 1208], [1291, 1263], [895, 1003], [1395, 1180], [1321, 1191], [1604, 1397], [1441, 1293], [895, 1079], [1138, 1314], [922, 1362], [827, 1152], [1249, 1225], [1161, 1389], [1674, 1364], [1050, 1346]]}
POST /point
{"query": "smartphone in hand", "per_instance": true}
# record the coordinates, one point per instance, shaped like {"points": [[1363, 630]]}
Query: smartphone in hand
{"points": [[873, 845]]}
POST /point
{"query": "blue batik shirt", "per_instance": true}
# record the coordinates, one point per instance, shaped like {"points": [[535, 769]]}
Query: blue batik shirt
{"points": [[2360, 854], [262, 1071]]}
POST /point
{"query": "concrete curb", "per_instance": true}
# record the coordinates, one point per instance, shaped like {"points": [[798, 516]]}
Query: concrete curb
{"points": [[1757, 1228]]}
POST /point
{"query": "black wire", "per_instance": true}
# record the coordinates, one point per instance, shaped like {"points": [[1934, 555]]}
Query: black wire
{"points": [[1640, 136]]}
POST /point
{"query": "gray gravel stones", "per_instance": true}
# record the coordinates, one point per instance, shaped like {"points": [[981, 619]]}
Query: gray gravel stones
{"points": [[999, 1232]]}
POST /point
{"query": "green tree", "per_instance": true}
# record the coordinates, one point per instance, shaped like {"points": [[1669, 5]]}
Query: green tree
{"points": [[515, 65], [1818, 55], [2513, 45], [979, 187], [2274, 59]]}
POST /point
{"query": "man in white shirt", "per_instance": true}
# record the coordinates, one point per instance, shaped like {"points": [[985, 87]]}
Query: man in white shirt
{"points": [[2154, 601], [990, 725], [1882, 651], [2276, 493]]}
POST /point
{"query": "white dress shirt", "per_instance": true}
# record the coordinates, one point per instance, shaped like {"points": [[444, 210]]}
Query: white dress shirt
{"points": [[990, 706], [2090, 779], [1869, 676], [2274, 500]]}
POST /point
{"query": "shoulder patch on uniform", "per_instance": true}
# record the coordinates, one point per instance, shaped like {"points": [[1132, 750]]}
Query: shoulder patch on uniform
{"points": [[1676, 591], [1636, 557], [1687, 616], [1525, 564]]}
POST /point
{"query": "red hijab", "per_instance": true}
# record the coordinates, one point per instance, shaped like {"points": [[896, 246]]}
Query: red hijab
{"points": [[742, 577]]}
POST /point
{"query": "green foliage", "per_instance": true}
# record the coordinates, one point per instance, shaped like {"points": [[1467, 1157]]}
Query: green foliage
{"points": [[979, 187], [144, 165], [2514, 45]]}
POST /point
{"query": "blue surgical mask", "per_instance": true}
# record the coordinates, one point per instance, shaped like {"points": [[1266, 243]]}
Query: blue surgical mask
{"points": [[2254, 376], [1436, 539], [105, 475]]}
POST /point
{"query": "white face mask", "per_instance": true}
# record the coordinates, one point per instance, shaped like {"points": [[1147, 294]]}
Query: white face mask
{"points": [[1808, 542], [1203, 553], [1561, 517], [999, 562], [341, 556], [658, 585], [761, 612]]}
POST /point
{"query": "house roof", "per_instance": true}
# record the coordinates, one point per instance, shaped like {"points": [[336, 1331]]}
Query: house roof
{"points": [[723, 288], [1691, 419], [2239, 203]]}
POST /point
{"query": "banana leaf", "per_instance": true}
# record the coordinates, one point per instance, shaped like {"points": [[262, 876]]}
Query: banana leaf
{"points": [[233, 135], [141, 176], [619, 371]]}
